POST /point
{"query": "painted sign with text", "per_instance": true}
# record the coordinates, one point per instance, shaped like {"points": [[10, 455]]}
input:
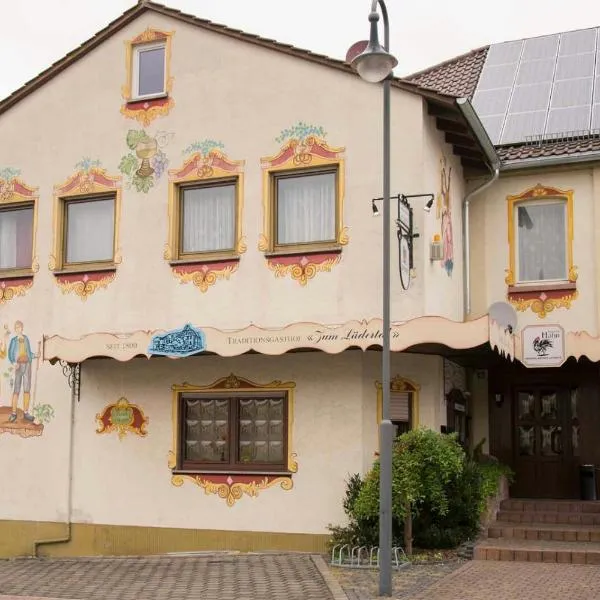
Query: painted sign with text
{"points": [[543, 345]]}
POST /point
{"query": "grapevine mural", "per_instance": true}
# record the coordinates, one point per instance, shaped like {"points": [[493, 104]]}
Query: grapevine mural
{"points": [[20, 411], [146, 162]]}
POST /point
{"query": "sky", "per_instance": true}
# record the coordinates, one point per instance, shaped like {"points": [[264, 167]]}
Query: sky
{"points": [[35, 33]]}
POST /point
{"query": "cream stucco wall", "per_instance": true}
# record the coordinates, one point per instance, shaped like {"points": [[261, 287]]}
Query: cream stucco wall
{"points": [[128, 482], [244, 96], [490, 248]]}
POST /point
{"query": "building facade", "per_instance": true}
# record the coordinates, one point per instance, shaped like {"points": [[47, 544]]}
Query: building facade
{"points": [[190, 289]]}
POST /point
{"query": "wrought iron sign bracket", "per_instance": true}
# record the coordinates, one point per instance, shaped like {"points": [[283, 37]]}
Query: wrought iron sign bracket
{"points": [[405, 232], [72, 371]]}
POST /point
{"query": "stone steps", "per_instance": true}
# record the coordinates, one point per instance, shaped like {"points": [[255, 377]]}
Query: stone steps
{"points": [[565, 531]]}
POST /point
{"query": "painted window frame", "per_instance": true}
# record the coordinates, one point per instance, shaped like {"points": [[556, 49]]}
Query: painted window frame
{"points": [[536, 196], [175, 251], [96, 185], [233, 388], [400, 384], [297, 164], [15, 205], [137, 50], [146, 39]]}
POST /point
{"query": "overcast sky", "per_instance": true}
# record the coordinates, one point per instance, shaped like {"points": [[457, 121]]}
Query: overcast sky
{"points": [[35, 33]]}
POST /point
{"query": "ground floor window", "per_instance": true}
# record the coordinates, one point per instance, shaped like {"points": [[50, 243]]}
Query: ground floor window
{"points": [[404, 404], [236, 429]]}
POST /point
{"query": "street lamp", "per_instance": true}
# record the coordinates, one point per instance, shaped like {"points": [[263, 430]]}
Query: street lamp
{"points": [[376, 64]]}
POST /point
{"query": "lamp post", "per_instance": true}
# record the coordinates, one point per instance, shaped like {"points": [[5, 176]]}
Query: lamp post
{"points": [[375, 64]]}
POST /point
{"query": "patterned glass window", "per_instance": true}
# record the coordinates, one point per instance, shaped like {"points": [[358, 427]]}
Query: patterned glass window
{"points": [[233, 433]]}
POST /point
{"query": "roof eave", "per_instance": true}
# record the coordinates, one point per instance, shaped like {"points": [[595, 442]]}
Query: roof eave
{"points": [[549, 161], [479, 131]]}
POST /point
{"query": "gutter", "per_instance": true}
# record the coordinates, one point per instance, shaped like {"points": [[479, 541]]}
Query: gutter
{"points": [[67, 537], [468, 112]]}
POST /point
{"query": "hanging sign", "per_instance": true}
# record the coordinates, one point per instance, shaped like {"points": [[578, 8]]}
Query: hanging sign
{"points": [[543, 345]]}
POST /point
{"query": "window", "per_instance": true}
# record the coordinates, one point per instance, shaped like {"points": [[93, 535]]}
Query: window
{"points": [[208, 218], [16, 238], [233, 432], [305, 207], [404, 404], [89, 230], [149, 69], [541, 241]]}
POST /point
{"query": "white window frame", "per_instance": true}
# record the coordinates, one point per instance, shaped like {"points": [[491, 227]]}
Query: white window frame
{"points": [[544, 202], [135, 74]]}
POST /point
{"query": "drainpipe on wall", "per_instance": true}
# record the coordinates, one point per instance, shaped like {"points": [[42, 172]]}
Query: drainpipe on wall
{"points": [[67, 537], [482, 137]]}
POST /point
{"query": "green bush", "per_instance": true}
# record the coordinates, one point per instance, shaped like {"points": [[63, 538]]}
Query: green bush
{"points": [[446, 490]]}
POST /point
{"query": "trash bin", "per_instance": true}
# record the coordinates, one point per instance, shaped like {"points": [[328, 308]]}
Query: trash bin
{"points": [[587, 482]]}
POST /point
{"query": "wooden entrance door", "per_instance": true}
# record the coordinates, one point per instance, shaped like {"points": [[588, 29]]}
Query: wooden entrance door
{"points": [[546, 442]]}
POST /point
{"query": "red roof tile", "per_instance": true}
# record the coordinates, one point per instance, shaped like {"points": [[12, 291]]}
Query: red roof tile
{"points": [[549, 148], [457, 76]]}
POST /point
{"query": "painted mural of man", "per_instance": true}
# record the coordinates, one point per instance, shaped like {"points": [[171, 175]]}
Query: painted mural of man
{"points": [[21, 356]]}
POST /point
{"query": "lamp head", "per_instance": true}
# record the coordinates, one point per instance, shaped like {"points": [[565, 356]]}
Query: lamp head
{"points": [[427, 207], [375, 63], [374, 208]]}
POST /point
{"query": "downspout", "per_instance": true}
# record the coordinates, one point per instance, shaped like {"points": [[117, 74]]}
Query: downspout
{"points": [[493, 161], [67, 537]]}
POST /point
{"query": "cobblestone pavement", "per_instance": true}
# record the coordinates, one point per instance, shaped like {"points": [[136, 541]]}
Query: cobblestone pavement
{"points": [[491, 580], [362, 584], [214, 577]]}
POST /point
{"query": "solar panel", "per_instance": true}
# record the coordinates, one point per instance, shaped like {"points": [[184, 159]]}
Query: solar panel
{"points": [[518, 127], [578, 65], [540, 86], [491, 102], [574, 92], [564, 120], [577, 42]]}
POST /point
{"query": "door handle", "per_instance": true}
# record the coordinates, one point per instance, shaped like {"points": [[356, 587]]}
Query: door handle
{"points": [[554, 437]]}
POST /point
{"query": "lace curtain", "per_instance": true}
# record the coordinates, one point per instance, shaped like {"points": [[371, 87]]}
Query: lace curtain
{"points": [[208, 219], [306, 209], [542, 241], [90, 231], [16, 230]]}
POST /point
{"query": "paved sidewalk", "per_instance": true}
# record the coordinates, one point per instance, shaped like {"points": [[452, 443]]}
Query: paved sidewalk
{"points": [[206, 577], [491, 580]]}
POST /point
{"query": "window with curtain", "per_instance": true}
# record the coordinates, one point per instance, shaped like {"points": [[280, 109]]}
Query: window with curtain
{"points": [[541, 241], [208, 219], [89, 230], [16, 238], [305, 208], [233, 432]]}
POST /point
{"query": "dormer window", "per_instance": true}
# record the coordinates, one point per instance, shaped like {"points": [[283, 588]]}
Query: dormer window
{"points": [[149, 70]]}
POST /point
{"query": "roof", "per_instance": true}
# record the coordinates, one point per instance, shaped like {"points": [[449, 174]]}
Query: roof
{"points": [[146, 5], [457, 76], [474, 156], [476, 75]]}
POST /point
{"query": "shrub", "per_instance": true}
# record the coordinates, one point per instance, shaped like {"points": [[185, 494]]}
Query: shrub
{"points": [[445, 489]]}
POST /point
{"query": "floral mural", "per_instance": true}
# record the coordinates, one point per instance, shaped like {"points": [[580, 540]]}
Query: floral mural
{"points": [[146, 162], [20, 411]]}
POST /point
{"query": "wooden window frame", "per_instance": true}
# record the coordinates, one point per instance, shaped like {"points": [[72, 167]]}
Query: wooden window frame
{"points": [[232, 388], [539, 195], [17, 272], [399, 384], [177, 216], [294, 248], [234, 465]]}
